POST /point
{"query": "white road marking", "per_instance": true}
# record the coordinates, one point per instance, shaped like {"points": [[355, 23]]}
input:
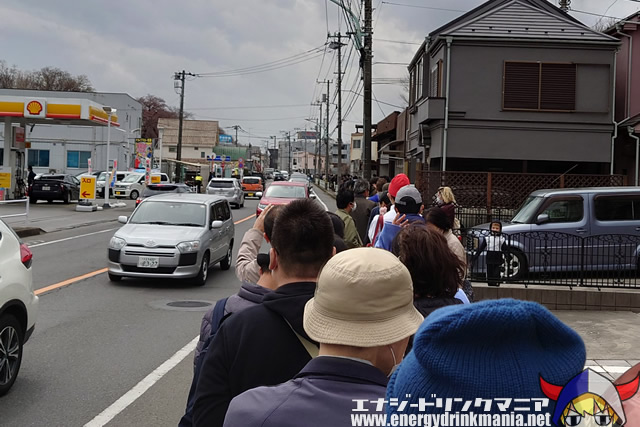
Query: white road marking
{"points": [[70, 238], [320, 200], [132, 395]]}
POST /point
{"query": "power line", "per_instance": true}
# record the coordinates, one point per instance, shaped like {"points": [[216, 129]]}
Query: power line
{"points": [[249, 107], [397, 41], [423, 7]]}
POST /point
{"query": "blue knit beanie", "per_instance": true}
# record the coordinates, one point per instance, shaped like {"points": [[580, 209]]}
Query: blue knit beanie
{"points": [[490, 349]]}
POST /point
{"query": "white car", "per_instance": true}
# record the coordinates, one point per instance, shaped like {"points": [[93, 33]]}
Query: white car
{"points": [[18, 304], [132, 185]]}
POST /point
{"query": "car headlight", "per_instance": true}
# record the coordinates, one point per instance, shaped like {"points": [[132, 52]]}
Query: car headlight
{"points": [[192, 246], [117, 243], [261, 206]]}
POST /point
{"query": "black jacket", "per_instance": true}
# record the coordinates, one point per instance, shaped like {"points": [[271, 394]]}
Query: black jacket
{"points": [[426, 306], [253, 348]]}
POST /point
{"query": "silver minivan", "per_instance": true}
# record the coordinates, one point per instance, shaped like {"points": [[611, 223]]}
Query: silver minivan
{"points": [[178, 235], [229, 188], [577, 229]]}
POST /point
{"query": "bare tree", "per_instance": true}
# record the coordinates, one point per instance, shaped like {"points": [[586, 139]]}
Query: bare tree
{"points": [[153, 109], [604, 24], [404, 95], [47, 78]]}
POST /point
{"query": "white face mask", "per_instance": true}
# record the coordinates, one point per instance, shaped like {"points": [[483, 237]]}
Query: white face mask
{"points": [[395, 362], [355, 205]]}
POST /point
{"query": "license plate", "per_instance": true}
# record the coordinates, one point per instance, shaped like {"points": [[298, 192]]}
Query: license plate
{"points": [[119, 193], [250, 194], [46, 187], [148, 262]]}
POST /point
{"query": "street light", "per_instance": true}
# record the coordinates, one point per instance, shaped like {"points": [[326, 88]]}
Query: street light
{"points": [[110, 111]]}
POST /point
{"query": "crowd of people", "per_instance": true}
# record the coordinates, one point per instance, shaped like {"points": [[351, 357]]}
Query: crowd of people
{"points": [[361, 310]]}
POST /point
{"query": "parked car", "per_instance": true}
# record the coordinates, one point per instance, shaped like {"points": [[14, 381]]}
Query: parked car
{"points": [[52, 187], [229, 188], [282, 193], [153, 189], [133, 184], [173, 236], [18, 304], [285, 175], [252, 185], [102, 178], [578, 229]]}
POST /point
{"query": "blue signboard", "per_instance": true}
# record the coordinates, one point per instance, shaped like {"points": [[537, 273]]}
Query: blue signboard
{"points": [[226, 139], [227, 159]]}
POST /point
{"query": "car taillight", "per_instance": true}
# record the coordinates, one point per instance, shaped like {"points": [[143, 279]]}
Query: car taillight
{"points": [[61, 187], [25, 255], [138, 200]]}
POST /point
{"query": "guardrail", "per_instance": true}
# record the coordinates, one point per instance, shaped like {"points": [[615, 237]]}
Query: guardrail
{"points": [[25, 213], [554, 258]]}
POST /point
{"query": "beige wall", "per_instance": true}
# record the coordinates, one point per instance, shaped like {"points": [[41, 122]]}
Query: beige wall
{"points": [[198, 136]]}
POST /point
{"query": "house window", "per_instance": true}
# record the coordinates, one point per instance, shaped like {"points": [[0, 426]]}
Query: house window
{"points": [[435, 80], [539, 86], [1, 156], [356, 143], [412, 87], [78, 159], [419, 79], [202, 154], [173, 149], [196, 148], [39, 158]]}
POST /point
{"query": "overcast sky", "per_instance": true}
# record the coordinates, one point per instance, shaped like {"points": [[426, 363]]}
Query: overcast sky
{"points": [[136, 46]]}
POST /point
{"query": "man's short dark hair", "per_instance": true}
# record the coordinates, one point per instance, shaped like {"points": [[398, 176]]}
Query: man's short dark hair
{"points": [[409, 206], [343, 198], [338, 224], [270, 219], [303, 238], [437, 217]]}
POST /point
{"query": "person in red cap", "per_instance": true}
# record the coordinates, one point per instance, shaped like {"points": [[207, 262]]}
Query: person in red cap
{"points": [[396, 184]]}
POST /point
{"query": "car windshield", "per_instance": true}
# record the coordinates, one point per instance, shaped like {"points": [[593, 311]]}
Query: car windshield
{"points": [[52, 177], [286, 192], [221, 184], [251, 180], [102, 176], [170, 213], [131, 178], [529, 207]]}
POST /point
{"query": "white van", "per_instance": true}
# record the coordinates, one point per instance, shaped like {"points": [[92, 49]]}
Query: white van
{"points": [[132, 185]]}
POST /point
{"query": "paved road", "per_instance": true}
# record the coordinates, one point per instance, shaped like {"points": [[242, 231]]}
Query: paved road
{"points": [[95, 340]]}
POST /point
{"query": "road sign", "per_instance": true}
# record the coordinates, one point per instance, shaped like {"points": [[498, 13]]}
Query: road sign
{"points": [[147, 173], [88, 187], [227, 159], [5, 179], [240, 163]]}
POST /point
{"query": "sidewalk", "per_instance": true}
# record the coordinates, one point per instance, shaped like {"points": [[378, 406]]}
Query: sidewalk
{"points": [[47, 218]]}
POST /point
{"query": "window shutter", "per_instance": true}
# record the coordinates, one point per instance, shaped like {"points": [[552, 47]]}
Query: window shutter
{"points": [[521, 85], [558, 87]]}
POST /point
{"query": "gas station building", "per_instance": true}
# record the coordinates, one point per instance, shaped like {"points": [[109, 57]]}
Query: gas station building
{"points": [[59, 131]]}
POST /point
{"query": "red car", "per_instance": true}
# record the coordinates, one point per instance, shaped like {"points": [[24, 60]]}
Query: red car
{"points": [[282, 193]]}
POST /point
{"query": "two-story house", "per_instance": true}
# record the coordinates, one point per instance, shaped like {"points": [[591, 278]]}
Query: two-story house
{"points": [[513, 86], [627, 108]]}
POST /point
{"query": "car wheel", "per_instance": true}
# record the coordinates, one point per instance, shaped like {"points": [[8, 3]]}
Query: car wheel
{"points": [[33, 200], [514, 265], [242, 203], [114, 278], [65, 198], [225, 264], [201, 278], [11, 340], [134, 194]]}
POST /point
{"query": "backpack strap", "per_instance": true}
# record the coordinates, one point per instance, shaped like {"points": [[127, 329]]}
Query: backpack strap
{"points": [[311, 348]]}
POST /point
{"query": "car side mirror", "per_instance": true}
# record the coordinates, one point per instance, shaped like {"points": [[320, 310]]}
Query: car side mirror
{"points": [[259, 194], [313, 196], [216, 224], [542, 218], [122, 219]]}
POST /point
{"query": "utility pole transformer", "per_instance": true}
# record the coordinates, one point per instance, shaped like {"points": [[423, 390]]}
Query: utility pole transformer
{"points": [[564, 5], [368, 46]]}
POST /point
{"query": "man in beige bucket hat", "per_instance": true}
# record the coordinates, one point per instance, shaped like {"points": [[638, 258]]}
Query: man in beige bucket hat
{"points": [[362, 315]]}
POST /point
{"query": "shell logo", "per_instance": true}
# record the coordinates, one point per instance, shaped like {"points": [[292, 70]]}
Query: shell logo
{"points": [[34, 108]]}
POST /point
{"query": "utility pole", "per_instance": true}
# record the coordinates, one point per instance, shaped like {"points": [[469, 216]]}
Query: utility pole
{"points": [[236, 127], [180, 76], [367, 53], [564, 5], [326, 166], [289, 142], [338, 45]]}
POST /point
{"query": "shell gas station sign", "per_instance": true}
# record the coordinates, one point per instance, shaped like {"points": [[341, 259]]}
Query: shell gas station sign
{"points": [[74, 111]]}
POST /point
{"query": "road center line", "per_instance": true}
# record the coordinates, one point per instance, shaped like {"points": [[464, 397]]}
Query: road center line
{"points": [[93, 273], [139, 389], [71, 238]]}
